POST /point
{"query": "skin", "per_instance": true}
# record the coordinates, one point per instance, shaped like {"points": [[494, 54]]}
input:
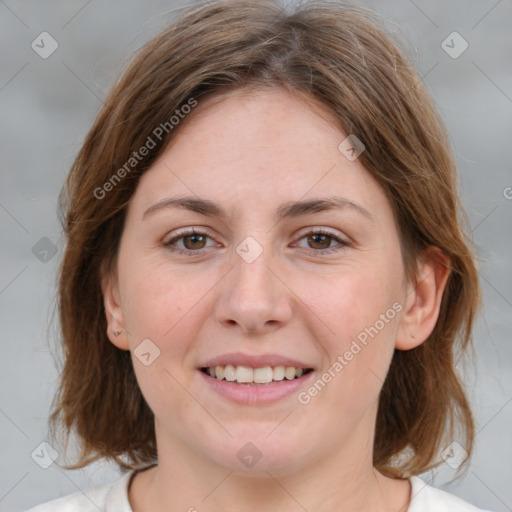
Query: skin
{"points": [[250, 152]]}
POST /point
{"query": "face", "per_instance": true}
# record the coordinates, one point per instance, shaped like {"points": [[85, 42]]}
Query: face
{"points": [[293, 260]]}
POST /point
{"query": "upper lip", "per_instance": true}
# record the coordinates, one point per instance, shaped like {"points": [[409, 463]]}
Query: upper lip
{"points": [[254, 361]]}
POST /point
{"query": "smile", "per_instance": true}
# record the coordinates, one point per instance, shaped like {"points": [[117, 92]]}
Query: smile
{"points": [[245, 385], [251, 376]]}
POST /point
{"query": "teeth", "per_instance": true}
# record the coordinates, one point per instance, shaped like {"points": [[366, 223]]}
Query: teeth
{"points": [[248, 375], [279, 373], [263, 375], [289, 372], [244, 374], [230, 372]]}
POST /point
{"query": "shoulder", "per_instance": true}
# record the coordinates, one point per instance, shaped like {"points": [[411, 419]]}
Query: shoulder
{"points": [[425, 498], [107, 498]]}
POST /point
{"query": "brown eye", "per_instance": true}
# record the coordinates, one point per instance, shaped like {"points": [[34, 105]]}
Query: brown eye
{"points": [[319, 241], [188, 243], [194, 241]]}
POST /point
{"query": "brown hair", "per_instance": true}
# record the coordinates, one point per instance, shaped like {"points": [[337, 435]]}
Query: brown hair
{"points": [[337, 56]]}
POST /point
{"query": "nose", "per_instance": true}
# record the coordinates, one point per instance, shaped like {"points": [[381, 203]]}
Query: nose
{"points": [[253, 297]]}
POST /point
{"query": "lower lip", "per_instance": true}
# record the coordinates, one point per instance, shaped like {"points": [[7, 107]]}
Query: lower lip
{"points": [[258, 393]]}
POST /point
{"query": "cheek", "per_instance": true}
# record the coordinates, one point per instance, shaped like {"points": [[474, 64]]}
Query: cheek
{"points": [[168, 308], [349, 301], [161, 300], [361, 311]]}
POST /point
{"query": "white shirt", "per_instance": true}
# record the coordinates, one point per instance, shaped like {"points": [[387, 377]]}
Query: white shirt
{"points": [[114, 498]]}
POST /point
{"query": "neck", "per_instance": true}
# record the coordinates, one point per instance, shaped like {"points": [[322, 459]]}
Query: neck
{"points": [[340, 481]]}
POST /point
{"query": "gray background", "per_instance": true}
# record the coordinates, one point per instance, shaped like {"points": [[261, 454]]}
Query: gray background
{"points": [[48, 106]]}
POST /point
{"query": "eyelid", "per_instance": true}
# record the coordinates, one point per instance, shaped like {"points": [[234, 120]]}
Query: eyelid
{"points": [[171, 239], [187, 231], [325, 231], [342, 240]]}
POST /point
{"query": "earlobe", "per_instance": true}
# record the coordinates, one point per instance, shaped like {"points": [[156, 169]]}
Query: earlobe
{"points": [[423, 300], [116, 330]]}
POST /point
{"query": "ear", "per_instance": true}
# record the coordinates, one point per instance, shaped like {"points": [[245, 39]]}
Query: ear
{"points": [[116, 329], [423, 300]]}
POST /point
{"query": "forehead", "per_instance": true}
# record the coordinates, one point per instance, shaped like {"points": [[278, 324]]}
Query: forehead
{"points": [[257, 147]]}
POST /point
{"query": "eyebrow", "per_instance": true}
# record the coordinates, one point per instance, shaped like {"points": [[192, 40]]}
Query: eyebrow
{"points": [[290, 209]]}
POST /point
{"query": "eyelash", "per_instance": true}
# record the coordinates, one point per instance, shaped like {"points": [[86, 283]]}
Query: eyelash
{"points": [[190, 252]]}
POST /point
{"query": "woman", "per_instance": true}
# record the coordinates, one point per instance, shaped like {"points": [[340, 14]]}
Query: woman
{"points": [[266, 283]]}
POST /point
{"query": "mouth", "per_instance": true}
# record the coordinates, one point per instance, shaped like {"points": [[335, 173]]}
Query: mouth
{"points": [[264, 385], [249, 376]]}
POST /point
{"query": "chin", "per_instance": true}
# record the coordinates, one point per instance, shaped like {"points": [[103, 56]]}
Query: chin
{"points": [[260, 454]]}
